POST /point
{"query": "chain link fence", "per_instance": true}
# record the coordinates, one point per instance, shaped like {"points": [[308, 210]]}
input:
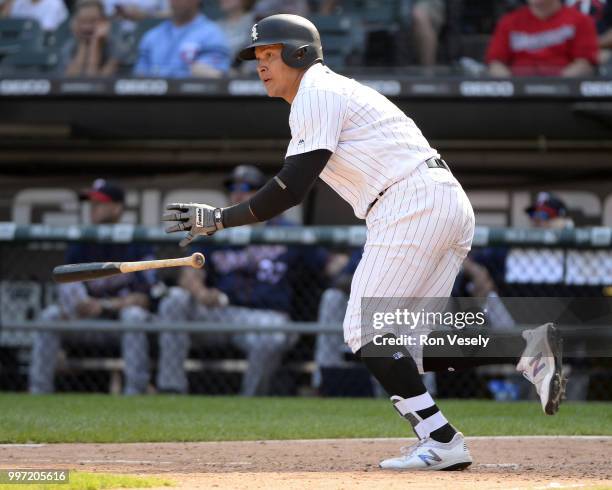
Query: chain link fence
{"points": [[262, 318]]}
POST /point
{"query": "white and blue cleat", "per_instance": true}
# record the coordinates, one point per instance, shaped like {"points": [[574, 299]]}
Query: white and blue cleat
{"points": [[428, 454], [541, 364]]}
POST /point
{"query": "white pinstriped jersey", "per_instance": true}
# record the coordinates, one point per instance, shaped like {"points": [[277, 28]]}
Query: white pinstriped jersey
{"points": [[373, 143]]}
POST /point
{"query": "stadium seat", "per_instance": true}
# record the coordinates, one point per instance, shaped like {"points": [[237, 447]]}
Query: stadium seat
{"points": [[29, 62], [129, 41], [211, 9], [336, 36], [375, 13], [332, 23], [19, 34], [375, 25], [19, 301], [57, 38], [146, 25], [336, 61]]}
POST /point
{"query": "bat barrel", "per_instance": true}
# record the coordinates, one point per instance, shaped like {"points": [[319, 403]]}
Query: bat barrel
{"points": [[85, 272]]}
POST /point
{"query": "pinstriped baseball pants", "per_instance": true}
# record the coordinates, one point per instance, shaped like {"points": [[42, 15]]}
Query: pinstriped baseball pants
{"points": [[418, 234]]}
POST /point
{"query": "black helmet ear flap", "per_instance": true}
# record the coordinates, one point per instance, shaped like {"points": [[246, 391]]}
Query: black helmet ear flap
{"points": [[301, 52], [300, 56]]}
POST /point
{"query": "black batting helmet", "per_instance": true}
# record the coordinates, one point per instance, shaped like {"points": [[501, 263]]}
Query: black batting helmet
{"points": [[299, 37]]}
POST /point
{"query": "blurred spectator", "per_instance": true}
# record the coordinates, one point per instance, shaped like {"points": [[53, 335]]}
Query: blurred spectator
{"points": [[129, 12], [330, 349], [605, 35], [90, 51], [236, 24], [601, 12], [264, 8], [543, 38], [329, 7], [549, 212], [428, 17], [136, 10], [48, 13], [251, 286], [189, 44], [123, 297], [555, 275]]}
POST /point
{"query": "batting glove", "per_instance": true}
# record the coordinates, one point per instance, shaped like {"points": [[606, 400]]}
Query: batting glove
{"points": [[195, 219]]}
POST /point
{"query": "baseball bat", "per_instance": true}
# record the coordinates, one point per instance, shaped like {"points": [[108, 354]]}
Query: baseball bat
{"points": [[98, 270]]}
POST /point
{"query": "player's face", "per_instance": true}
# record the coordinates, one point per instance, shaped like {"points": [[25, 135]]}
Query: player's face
{"points": [[279, 79], [105, 212], [86, 21], [554, 223], [183, 10], [231, 5], [539, 4]]}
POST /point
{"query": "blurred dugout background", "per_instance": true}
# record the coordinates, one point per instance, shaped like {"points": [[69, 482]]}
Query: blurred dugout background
{"points": [[280, 332]]}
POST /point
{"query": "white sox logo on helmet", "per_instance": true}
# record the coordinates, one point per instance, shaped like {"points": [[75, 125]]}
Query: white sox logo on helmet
{"points": [[254, 34]]}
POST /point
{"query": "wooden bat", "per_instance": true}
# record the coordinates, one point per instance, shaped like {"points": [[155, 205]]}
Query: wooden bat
{"points": [[97, 270]]}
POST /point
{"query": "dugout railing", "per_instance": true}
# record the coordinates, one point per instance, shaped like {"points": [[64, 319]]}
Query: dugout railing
{"points": [[567, 263]]}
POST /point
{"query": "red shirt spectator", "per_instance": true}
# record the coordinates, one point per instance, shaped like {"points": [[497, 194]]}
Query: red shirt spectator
{"points": [[543, 38]]}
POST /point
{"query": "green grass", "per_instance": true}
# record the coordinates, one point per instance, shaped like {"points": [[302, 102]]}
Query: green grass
{"points": [[93, 481], [103, 418]]}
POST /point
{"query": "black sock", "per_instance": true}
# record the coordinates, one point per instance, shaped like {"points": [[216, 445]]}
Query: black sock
{"points": [[444, 433], [398, 374], [502, 348]]}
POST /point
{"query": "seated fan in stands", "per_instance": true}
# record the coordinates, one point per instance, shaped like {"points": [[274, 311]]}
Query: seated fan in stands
{"points": [[91, 51], [543, 38]]}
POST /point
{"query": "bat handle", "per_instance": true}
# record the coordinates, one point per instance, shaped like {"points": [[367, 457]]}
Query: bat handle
{"points": [[195, 260]]}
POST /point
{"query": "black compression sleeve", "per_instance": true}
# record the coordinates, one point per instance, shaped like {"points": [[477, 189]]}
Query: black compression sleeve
{"points": [[287, 189], [290, 186], [238, 215]]}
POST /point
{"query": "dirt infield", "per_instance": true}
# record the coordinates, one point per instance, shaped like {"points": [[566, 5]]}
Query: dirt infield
{"points": [[499, 462]]}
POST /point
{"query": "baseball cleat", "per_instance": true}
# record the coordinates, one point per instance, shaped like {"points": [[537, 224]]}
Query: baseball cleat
{"points": [[428, 454], [541, 364]]}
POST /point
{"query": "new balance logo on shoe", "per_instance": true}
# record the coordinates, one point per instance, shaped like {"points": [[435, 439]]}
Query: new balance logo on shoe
{"points": [[537, 364], [431, 456]]}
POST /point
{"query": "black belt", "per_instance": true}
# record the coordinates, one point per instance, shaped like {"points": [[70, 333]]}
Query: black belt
{"points": [[431, 163]]}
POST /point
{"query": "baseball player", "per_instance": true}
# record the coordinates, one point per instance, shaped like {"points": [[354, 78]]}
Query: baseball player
{"points": [[419, 221]]}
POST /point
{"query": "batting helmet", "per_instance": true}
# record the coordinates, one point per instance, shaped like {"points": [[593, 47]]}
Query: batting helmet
{"points": [[299, 37]]}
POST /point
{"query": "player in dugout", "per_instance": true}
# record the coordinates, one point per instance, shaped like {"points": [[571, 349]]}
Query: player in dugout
{"points": [[124, 297], [248, 285]]}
